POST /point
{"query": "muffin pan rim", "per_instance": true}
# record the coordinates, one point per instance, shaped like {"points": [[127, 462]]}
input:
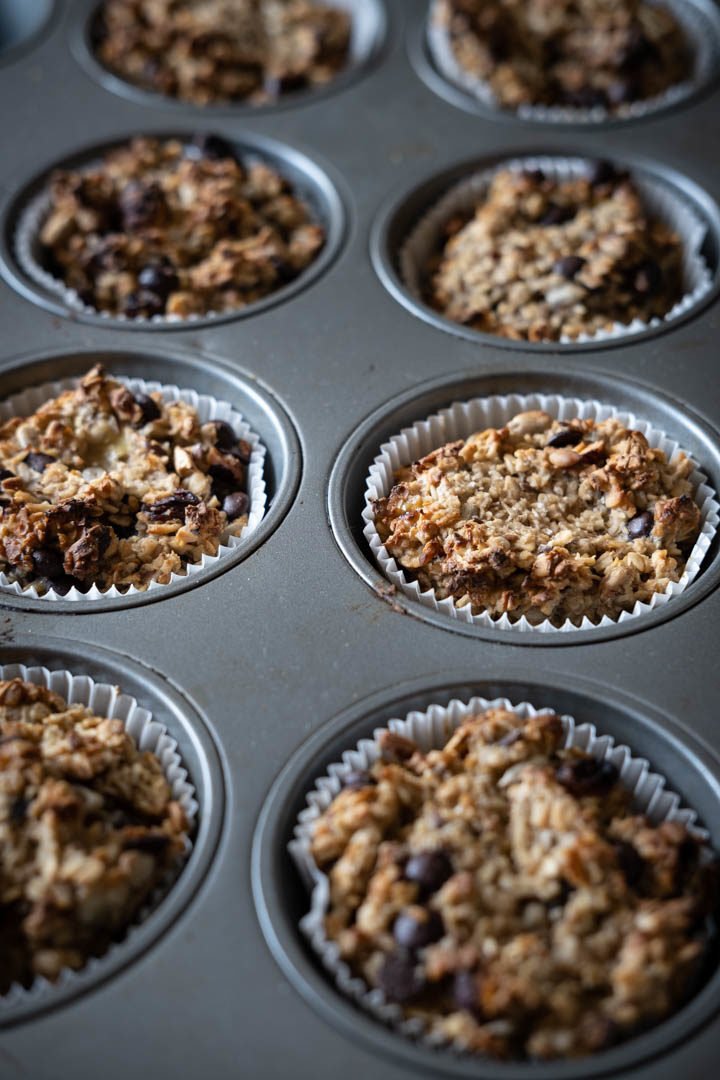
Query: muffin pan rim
{"points": [[321, 184], [426, 70], [346, 483], [80, 45], [194, 736], [398, 215], [274, 829], [46, 24], [273, 411]]}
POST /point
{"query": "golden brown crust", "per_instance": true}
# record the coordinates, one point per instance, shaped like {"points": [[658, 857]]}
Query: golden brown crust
{"points": [[543, 519], [88, 831], [102, 488], [503, 890], [543, 258]]}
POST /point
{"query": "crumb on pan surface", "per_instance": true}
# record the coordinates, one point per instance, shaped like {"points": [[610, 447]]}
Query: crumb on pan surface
{"points": [[543, 518], [161, 228], [581, 54], [104, 487], [88, 831], [544, 258], [504, 890], [219, 51]]}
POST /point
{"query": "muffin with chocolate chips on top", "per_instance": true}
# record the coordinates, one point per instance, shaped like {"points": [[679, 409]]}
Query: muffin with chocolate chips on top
{"points": [[504, 890], [542, 258], [543, 519], [578, 54], [163, 228], [104, 487]]}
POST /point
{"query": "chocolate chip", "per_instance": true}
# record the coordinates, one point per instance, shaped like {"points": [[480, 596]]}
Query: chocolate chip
{"points": [[536, 175], [171, 506], [586, 776], [275, 85], [638, 48], [5, 474], [143, 304], [565, 437], [640, 525], [415, 932], [398, 978], [465, 990], [223, 474], [357, 778], [429, 870], [557, 215], [159, 278], [152, 843], [586, 97], [225, 437], [18, 809], [142, 203], [647, 278], [602, 172], [631, 863], [243, 451], [149, 407], [568, 266], [235, 505], [211, 146], [48, 563], [38, 462]]}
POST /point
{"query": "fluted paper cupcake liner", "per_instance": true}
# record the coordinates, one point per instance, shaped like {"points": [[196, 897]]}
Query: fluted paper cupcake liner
{"points": [[208, 408], [431, 730], [701, 31], [659, 199], [149, 735], [461, 420]]}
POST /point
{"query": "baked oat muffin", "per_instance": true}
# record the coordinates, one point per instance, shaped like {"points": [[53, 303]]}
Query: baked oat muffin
{"points": [[163, 228], [542, 258], [503, 890], [583, 54], [543, 519], [210, 52], [88, 831], [104, 487]]}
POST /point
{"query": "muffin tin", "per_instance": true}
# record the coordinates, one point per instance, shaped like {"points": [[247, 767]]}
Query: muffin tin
{"points": [[271, 665]]}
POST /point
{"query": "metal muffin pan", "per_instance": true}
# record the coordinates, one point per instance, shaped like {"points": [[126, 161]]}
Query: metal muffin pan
{"points": [[20, 25], [292, 649], [368, 37], [309, 179]]}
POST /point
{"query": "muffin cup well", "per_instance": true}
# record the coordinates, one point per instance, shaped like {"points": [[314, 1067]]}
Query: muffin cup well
{"points": [[208, 408], [149, 735], [461, 420], [702, 30], [431, 730], [662, 202]]}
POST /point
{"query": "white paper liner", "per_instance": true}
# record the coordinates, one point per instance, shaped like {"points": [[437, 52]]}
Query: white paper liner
{"points": [[700, 30], [148, 734], [431, 730], [208, 408], [461, 420], [659, 199]]}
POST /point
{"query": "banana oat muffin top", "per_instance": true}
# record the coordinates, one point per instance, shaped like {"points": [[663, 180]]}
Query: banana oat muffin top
{"points": [[578, 53], [542, 518], [163, 228], [542, 258], [211, 52], [503, 890], [104, 487], [88, 831]]}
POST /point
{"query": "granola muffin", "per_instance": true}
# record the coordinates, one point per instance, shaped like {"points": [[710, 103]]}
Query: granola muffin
{"points": [[212, 52], [544, 519], [160, 228], [542, 258], [504, 891], [582, 54], [88, 831], [104, 487]]}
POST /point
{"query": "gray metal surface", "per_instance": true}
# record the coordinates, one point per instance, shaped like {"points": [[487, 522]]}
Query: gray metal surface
{"points": [[291, 639]]}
